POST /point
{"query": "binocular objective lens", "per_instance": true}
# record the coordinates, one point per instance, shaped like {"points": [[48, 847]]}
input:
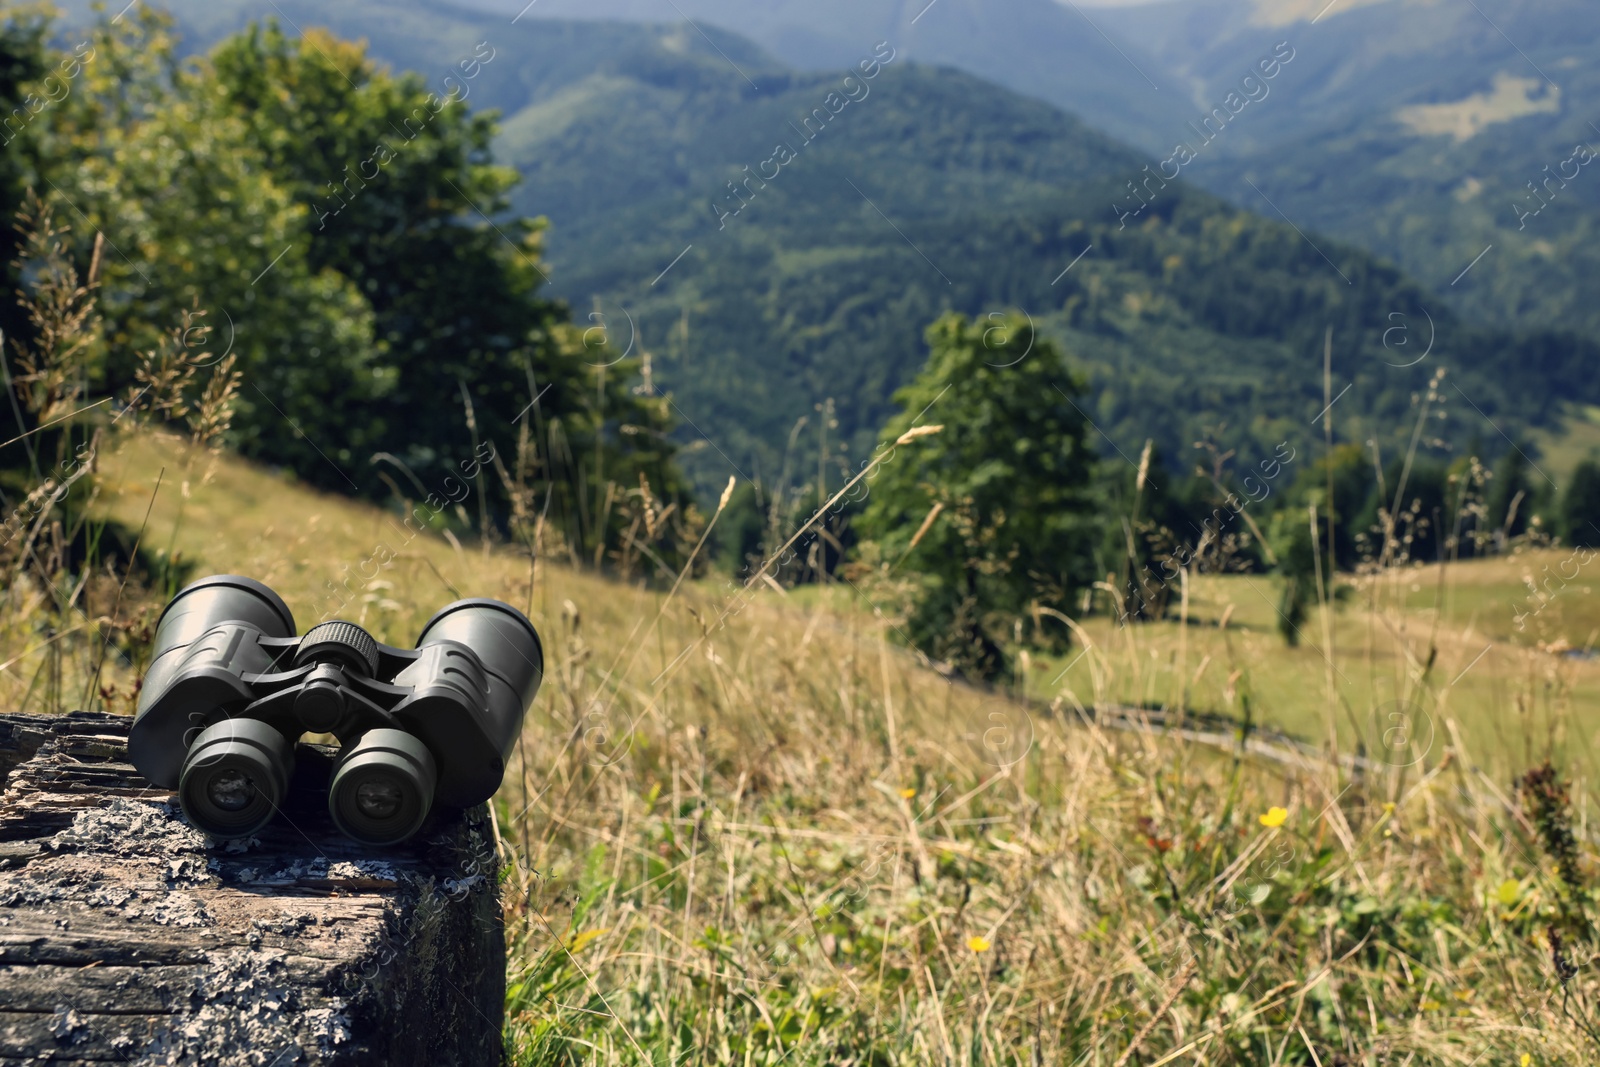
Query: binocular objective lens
{"points": [[231, 790], [234, 777], [383, 787], [379, 798]]}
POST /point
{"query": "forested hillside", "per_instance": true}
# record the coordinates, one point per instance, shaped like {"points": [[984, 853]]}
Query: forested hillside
{"points": [[1407, 128], [913, 191], [1419, 131], [937, 190], [1422, 132]]}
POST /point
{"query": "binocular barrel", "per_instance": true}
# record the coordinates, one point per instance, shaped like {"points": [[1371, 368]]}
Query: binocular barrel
{"points": [[205, 643], [231, 689], [479, 660]]}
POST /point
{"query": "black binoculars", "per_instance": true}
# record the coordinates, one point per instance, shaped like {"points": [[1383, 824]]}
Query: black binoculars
{"points": [[231, 689]]}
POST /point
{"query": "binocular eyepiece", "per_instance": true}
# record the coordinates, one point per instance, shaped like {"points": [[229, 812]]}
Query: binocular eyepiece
{"points": [[231, 689]]}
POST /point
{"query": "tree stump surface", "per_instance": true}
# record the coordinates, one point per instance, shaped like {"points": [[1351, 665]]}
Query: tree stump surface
{"points": [[128, 936]]}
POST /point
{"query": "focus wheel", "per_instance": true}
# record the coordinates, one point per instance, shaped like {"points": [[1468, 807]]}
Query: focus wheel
{"points": [[342, 641]]}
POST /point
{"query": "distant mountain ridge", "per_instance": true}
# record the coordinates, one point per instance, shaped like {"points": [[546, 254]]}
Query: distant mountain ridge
{"points": [[1417, 128], [760, 297], [1064, 54], [1363, 142]]}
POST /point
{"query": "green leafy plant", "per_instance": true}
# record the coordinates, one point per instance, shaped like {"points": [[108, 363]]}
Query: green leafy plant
{"points": [[992, 512]]}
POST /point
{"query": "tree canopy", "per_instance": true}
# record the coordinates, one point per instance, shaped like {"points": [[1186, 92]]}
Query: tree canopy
{"points": [[992, 511], [343, 232]]}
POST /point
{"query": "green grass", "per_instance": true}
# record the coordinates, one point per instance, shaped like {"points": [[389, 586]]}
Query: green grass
{"points": [[1576, 437], [1441, 643], [750, 830], [1441, 640]]}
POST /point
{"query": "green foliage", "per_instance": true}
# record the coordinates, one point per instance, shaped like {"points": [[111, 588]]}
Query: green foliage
{"points": [[1580, 506], [740, 532], [1145, 500], [391, 178], [290, 204], [193, 219], [22, 64], [998, 496], [1350, 467], [1510, 493]]}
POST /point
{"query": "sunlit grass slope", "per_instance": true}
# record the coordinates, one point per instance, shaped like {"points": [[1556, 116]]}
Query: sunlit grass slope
{"points": [[748, 830], [1465, 643], [1502, 649]]}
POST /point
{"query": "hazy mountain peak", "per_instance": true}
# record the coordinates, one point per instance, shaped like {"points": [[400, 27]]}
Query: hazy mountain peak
{"points": [[1288, 12], [1066, 54]]}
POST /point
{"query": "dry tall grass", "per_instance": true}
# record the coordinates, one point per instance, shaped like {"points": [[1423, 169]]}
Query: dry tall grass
{"points": [[745, 826], [752, 831], [73, 634]]}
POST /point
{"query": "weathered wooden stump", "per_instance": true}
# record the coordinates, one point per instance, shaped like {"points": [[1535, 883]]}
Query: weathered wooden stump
{"points": [[126, 936]]}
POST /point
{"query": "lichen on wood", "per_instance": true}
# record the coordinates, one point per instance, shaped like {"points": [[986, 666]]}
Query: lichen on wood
{"points": [[128, 936]]}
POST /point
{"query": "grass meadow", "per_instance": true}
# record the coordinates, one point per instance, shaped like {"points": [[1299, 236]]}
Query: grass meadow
{"points": [[749, 827]]}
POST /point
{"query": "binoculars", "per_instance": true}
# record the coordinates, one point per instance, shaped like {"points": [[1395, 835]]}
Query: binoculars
{"points": [[231, 689]]}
